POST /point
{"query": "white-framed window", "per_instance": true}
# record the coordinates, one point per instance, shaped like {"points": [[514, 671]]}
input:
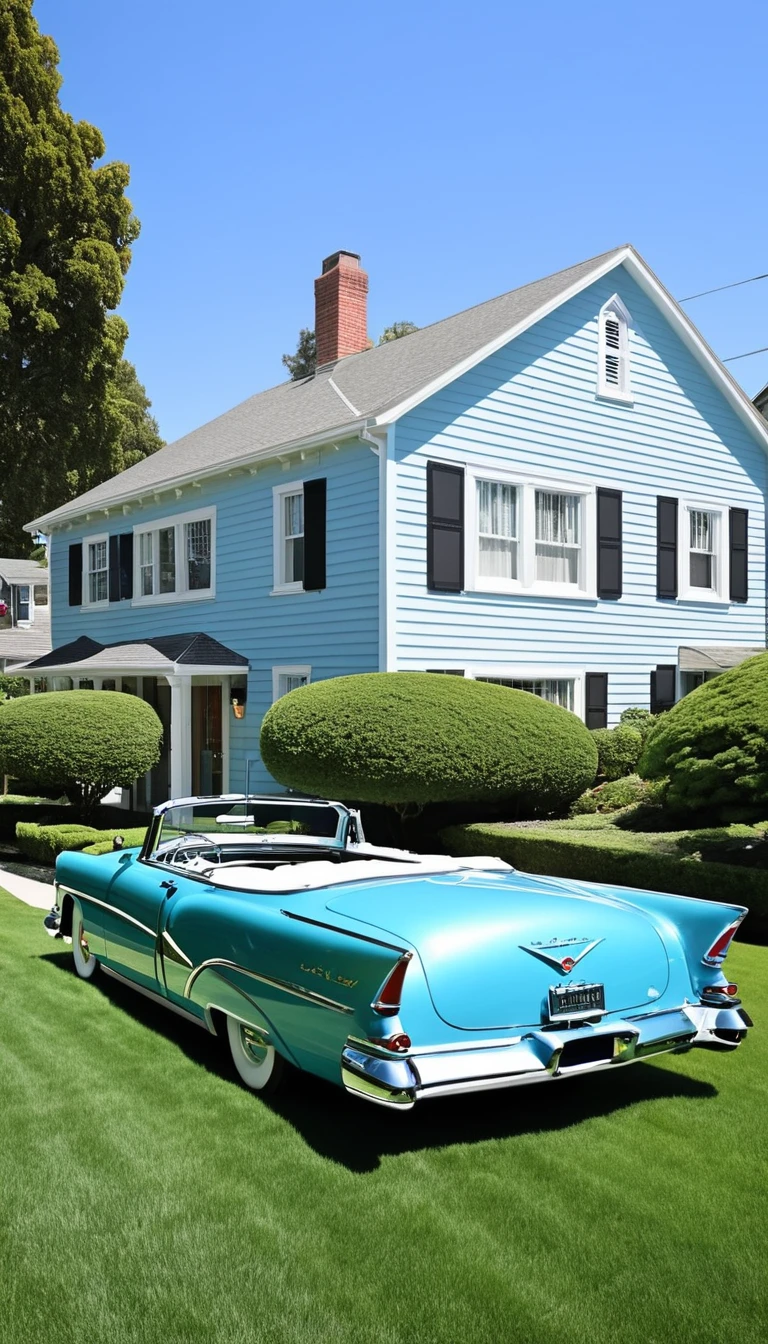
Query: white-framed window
{"points": [[703, 559], [96, 570], [613, 373], [175, 558], [289, 678], [289, 537], [527, 535], [557, 690]]}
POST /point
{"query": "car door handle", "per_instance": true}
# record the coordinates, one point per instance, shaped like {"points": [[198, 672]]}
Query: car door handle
{"points": [[171, 889]]}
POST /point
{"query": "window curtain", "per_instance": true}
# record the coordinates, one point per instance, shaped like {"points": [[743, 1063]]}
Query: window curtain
{"points": [[558, 544], [497, 530]]}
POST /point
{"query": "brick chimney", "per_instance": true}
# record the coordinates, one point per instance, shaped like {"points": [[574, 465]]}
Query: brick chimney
{"points": [[341, 302]]}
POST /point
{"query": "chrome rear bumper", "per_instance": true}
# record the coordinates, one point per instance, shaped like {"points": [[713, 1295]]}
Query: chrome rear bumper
{"points": [[399, 1081]]}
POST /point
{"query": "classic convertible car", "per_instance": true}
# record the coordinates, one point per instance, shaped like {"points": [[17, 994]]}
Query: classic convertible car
{"points": [[271, 922]]}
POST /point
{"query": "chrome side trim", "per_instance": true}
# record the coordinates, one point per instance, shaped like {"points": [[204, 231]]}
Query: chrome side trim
{"points": [[287, 986], [155, 998], [113, 909], [347, 933], [172, 952]]}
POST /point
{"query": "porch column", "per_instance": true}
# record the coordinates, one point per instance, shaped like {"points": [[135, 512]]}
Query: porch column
{"points": [[181, 736]]}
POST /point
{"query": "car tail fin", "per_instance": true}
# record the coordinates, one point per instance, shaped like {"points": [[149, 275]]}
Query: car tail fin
{"points": [[387, 1001], [719, 949]]}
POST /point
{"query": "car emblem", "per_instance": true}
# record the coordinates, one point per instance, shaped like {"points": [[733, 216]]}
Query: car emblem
{"points": [[548, 952]]}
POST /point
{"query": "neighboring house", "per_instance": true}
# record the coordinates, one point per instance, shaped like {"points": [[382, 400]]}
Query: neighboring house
{"points": [[25, 626], [561, 489], [761, 401]]}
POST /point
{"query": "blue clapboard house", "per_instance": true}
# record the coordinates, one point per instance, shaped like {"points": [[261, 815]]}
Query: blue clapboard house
{"points": [[561, 489]]}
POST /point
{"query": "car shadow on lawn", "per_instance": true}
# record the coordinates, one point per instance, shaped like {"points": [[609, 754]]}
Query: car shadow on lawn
{"points": [[358, 1135]]}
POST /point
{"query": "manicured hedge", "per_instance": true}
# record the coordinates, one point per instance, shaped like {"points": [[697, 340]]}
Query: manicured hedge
{"points": [[403, 738], [713, 747], [618, 750], [85, 741], [43, 843], [592, 859]]}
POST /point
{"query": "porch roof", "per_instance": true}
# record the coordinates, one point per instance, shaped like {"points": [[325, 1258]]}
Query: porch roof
{"points": [[715, 657], [189, 654]]}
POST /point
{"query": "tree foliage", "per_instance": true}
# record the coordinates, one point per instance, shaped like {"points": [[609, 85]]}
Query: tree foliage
{"points": [[138, 434], [66, 229], [82, 742], [304, 362], [412, 738], [713, 747], [397, 330], [618, 750]]}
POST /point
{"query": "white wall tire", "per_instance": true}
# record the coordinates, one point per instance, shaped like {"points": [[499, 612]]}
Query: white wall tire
{"points": [[258, 1063], [86, 964]]}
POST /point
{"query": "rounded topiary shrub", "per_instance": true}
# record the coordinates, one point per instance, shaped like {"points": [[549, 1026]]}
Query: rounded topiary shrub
{"points": [[618, 750], [713, 747], [87, 742], [405, 738]]}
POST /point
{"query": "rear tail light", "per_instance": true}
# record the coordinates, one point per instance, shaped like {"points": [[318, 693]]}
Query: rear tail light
{"points": [[400, 1042], [387, 1002], [717, 952], [720, 991]]}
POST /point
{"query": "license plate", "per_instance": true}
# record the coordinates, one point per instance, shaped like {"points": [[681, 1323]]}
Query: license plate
{"points": [[567, 999]]}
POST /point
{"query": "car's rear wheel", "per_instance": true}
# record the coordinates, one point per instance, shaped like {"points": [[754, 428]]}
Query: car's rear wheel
{"points": [[85, 962], [256, 1061]]}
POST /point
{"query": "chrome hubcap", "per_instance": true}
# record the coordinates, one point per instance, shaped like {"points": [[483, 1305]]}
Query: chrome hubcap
{"points": [[83, 944], [254, 1046]]}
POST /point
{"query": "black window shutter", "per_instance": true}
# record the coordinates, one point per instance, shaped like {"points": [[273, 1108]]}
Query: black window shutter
{"points": [[445, 528], [663, 688], [666, 547], [126, 564], [596, 699], [76, 574], [738, 521], [609, 543], [314, 534], [114, 569]]}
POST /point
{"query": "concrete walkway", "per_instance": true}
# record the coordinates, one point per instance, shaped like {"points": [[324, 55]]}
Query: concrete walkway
{"points": [[40, 894]]}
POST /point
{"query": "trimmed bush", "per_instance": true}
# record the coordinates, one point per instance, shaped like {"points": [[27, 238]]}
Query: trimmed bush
{"points": [[618, 750], [598, 857], [713, 747], [44, 843], [412, 738], [86, 741], [613, 795], [642, 720]]}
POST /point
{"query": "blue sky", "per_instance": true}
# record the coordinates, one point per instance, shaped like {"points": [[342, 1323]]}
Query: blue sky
{"points": [[462, 149]]}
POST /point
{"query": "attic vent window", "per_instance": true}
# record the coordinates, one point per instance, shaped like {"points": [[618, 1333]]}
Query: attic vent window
{"points": [[613, 352]]}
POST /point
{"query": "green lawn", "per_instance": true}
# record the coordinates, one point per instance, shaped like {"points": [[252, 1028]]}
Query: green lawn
{"points": [[145, 1196]]}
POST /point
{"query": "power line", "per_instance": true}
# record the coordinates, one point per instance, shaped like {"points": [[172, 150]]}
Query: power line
{"points": [[746, 354], [719, 288]]}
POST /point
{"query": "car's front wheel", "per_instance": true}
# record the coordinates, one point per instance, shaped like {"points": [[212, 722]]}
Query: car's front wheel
{"points": [[257, 1062], [85, 962]]}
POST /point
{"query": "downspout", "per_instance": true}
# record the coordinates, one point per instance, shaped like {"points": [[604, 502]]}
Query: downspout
{"points": [[381, 445]]}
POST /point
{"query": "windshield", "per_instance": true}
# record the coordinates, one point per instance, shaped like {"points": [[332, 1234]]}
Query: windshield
{"points": [[260, 820]]}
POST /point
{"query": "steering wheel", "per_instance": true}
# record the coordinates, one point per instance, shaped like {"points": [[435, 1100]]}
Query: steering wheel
{"points": [[186, 851]]}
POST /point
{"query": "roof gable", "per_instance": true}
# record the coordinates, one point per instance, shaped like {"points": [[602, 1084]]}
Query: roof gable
{"points": [[377, 386]]}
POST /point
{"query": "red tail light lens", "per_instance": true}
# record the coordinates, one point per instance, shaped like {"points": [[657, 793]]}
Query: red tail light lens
{"points": [[711, 991], [400, 1042], [717, 952], [387, 1003]]}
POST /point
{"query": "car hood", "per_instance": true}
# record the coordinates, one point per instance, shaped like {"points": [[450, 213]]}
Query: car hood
{"points": [[493, 944]]}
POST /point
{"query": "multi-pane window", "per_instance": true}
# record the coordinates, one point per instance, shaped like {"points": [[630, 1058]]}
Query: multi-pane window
{"points": [[558, 690], [558, 537], [293, 538], [175, 557], [146, 564], [497, 530], [197, 539], [287, 679], [703, 549], [98, 571]]}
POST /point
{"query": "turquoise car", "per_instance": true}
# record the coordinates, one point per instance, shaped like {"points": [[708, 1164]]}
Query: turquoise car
{"points": [[271, 923]]}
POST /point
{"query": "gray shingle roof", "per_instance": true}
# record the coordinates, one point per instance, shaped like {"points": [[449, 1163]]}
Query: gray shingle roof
{"points": [[23, 571], [160, 652], [373, 381]]}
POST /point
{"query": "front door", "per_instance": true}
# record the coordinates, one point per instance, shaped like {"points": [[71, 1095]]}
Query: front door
{"points": [[207, 754]]}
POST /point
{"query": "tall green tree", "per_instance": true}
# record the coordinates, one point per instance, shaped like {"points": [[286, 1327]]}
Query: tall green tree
{"points": [[138, 433], [66, 229], [304, 362], [397, 330]]}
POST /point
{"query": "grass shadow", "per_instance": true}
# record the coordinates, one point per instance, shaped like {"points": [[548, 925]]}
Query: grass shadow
{"points": [[357, 1135]]}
